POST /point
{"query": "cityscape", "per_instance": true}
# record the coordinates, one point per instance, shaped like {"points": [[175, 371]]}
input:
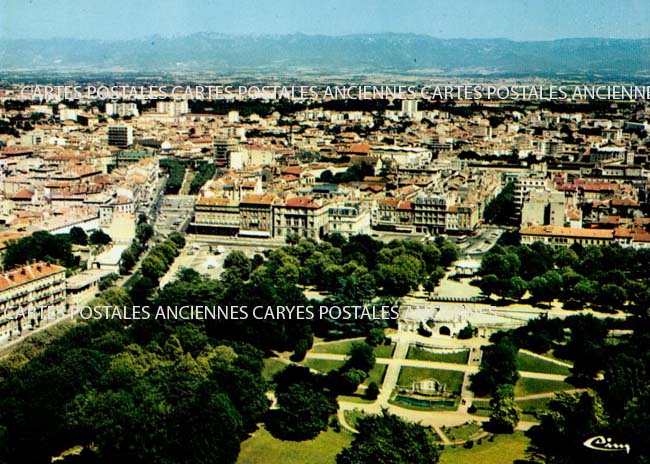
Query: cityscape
{"points": [[310, 242]]}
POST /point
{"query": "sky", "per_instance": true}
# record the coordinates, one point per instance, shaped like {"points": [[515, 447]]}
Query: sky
{"points": [[510, 19]]}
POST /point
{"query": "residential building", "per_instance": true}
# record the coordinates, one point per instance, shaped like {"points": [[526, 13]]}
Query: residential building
{"points": [[26, 292]]}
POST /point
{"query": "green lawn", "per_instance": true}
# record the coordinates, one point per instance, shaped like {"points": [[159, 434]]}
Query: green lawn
{"points": [[323, 365], [376, 374], [356, 398], [263, 448], [504, 449], [463, 432], [271, 367], [482, 407], [453, 379], [526, 362], [351, 417], [528, 386], [459, 357], [384, 351], [344, 347], [528, 407]]}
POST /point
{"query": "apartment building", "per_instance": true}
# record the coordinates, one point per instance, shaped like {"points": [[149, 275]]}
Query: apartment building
{"points": [[256, 215], [302, 216], [23, 291], [349, 218]]}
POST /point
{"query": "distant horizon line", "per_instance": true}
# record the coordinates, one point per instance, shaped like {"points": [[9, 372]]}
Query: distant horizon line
{"points": [[303, 34]]}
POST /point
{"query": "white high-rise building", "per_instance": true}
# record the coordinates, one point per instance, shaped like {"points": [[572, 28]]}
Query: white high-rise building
{"points": [[173, 107], [122, 109]]}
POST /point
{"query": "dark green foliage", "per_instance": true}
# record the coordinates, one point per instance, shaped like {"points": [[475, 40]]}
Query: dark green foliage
{"points": [[498, 367], [184, 400], [375, 337], [176, 171], [205, 172], [304, 409], [98, 237], [361, 357], [610, 277], [504, 414], [78, 236], [372, 391], [354, 173], [40, 246], [501, 209], [143, 232], [386, 438], [569, 421], [466, 332]]}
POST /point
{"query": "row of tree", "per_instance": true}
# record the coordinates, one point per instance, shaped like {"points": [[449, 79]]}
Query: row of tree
{"points": [[176, 171], [608, 276], [130, 256], [205, 172]]}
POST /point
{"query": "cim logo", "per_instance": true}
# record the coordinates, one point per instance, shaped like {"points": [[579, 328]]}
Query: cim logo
{"points": [[601, 443]]}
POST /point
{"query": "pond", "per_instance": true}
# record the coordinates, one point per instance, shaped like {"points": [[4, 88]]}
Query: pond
{"points": [[425, 403]]}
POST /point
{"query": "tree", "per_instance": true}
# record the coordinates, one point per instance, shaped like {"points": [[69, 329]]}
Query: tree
{"points": [[153, 267], [466, 332], [361, 357], [98, 237], [498, 367], [569, 418], [143, 232], [345, 381], [372, 391], [78, 236], [489, 284], [303, 411], [584, 291], [501, 209], [504, 412], [300, 350], [515, 287], [178, 239], [292, 239], [612, 296], [238, 262], [449, 253], [375, 337], [40, 246], [386, 438], [127, 261]]}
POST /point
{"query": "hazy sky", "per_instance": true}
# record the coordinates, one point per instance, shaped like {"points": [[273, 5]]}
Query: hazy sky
{"points": [[512, 19]]}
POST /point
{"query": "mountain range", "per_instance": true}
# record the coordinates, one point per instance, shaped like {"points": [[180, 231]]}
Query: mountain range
{"points": [[362, 53]]}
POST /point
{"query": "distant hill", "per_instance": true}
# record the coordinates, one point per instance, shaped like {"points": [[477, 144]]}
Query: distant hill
{"points": [[363, 53]]}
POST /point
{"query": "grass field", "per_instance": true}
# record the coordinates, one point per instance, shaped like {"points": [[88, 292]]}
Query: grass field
{"points": [[463, 432], [271, 367], [376, 374], [528, 386], [263, 448], [504, 449], [344, 347], [459, 357], [526, 362], [323, 365], [384, 351], [453, 379], [351, 417], [528, 407]]}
